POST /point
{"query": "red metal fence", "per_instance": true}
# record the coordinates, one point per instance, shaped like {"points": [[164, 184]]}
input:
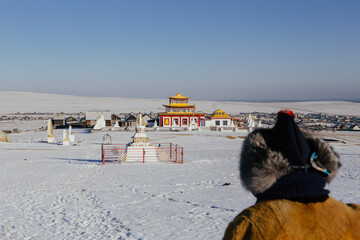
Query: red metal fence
{"points": [[160, 152]]}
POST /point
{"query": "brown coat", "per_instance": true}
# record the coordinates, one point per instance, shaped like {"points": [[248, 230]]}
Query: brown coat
{"points": [[284, 219]]}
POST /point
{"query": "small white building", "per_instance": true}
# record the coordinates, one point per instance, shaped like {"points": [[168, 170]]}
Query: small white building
{"points": [[219, 119]]}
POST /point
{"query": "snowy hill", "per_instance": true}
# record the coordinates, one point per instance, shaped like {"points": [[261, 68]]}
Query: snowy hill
{"points": [[12, 102]]}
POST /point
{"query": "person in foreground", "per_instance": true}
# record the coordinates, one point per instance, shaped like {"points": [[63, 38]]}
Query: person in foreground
{"points": [[286, 169]]}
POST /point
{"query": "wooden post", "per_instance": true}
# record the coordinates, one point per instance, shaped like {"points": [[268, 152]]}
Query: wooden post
{"points": [[170, 151], [103, 154], [176, 153], [182, 155], [143, 155]]}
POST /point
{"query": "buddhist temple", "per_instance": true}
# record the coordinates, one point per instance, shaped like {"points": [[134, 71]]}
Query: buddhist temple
{"points": [[178, 113], [219, 119]]}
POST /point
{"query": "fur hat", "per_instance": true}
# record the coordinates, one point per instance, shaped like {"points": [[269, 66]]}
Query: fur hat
{"points": [[263, 162]]}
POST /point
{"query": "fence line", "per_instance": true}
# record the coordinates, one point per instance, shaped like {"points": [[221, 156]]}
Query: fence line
{"points": [[161, 152]]}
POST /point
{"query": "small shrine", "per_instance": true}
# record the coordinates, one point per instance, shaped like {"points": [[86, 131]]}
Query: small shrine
{"points": [[178, 113], [140, 148]]}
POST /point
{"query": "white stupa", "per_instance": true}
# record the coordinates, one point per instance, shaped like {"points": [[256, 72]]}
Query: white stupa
{"points": [[51, 138], [71, 135], [140, 147], [251, 123], [193, 125], [116, 126], [66, 140], [100, 123]]}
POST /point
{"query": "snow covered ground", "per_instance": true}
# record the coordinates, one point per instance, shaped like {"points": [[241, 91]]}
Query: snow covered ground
{"points": [[64, 192], [51, 191]]}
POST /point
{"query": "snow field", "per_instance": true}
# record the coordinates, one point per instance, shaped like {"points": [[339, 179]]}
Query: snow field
{"points": [[64, 192]]}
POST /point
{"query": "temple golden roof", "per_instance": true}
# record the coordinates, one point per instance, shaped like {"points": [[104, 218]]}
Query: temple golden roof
{"points": [[179, 96], [219, 114], [179, 105], [182, 113]]}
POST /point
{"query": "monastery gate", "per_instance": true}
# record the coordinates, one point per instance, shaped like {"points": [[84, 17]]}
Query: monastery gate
{"points": [[165, 152]]}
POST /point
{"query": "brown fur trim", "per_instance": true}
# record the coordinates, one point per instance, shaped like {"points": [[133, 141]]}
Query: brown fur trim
{"points": [[261, 167], [327, 157]]}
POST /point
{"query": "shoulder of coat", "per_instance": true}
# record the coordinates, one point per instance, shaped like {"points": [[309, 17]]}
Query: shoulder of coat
{"points": [[240, 227]]}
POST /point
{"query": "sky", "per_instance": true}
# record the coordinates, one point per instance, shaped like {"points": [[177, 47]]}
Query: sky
{"points": [[205, 49]]}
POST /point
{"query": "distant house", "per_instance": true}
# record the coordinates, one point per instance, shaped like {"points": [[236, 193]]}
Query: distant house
{"points": [[130, 120], [341, 127], [354, 128], [115, 118], [58, 120], [70, 120], [82, 122], [239, 122], [120, 119], [25, 118], [148, 120], [92, 117]]}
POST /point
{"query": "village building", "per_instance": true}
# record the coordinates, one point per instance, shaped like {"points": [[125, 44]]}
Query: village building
{"points": [[58, 120], [239, 122], [71, 120], [115, 118], [219, 119], [130, 120], [178, 113], [147, 120], [354, 127]]}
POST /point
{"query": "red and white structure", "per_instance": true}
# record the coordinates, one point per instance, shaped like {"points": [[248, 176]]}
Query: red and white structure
{"points": [[178, 113], [165, 153], [140, 150], [140, 147]]}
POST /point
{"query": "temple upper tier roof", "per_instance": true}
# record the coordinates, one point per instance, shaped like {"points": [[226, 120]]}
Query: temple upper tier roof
{"points": [[179, 96], [175, 105], [181, 114], [219, 114]]}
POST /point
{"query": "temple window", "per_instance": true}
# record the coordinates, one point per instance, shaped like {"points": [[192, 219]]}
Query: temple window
{"points": [[225, 123], [217, 123]]}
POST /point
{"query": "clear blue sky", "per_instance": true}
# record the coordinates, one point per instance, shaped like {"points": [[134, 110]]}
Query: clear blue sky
{"points": [[230, 50]]}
